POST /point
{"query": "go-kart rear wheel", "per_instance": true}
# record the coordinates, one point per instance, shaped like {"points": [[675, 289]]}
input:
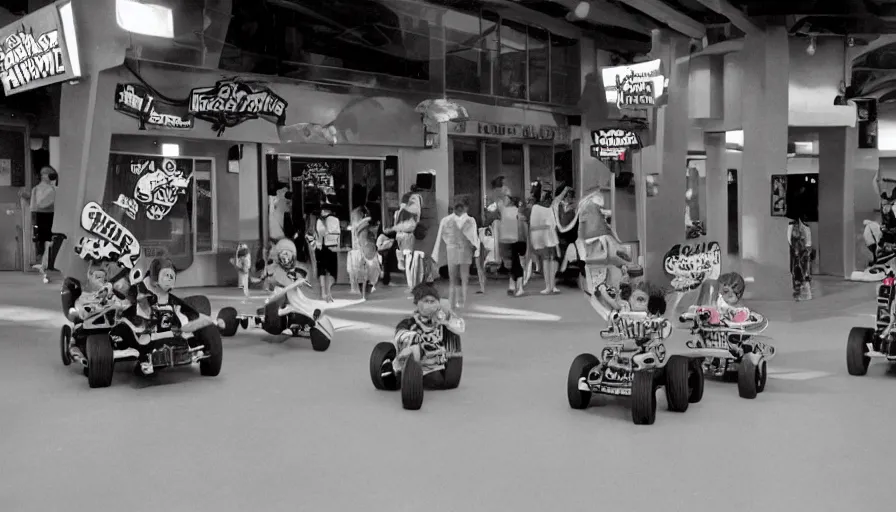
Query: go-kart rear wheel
{"points": [[383, 352], [697, 382], [678, 383], [210, 337], [748, 378], [579, 369], [320, 342], [273, 323], [644, 398], [412, 385], [65, 339], [454, 367], [857, 359], [228, 323], [100, 361], [200, 303]]}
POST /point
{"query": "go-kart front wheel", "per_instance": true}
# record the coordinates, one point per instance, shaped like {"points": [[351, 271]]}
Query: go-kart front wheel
{"points": [[696, 382], [100, 361], [210, 337], [644, 398], [857, 359], [320, 342], [454, 367], [381, 373], [412, 385], [679, 373], [749, 377], [580, 367], [228, 321], [272, 322], [65, 339]]}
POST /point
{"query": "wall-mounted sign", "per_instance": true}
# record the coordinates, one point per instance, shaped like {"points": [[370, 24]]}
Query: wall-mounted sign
{"points": [[557, 134], [779, 195], [690, 265], [112, 241], [232, 102], [34, 51], [612, 143], [634, 86], [136, 101], [160, 186]]}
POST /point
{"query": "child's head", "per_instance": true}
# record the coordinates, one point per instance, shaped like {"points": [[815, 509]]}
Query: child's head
{"points": [[162, 273], [242, 250], [731, 287], [427, 299]]}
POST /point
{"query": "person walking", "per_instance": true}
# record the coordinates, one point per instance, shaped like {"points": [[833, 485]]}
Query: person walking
{"points": [[459, 234], [512, 234], [327, 235], [43, 202], [799, 236], [544, 242]]}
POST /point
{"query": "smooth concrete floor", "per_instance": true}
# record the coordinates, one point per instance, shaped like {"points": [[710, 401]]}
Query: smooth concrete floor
{"points": [[286, 429]]}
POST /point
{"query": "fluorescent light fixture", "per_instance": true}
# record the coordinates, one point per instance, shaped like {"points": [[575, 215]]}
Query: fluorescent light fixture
{"points": [[145, 19], [71, 38], [171, 150], [735, 137]]}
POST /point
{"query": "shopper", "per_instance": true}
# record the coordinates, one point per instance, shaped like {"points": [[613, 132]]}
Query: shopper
{"points": [[544, 242], [407, 229], [43, 202], [363, 264], [327, 237], [512, 237], [459, 233]]}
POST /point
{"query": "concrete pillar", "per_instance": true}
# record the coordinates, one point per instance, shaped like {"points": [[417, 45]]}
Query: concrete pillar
{"points": [[764, 247], [716, 190], [665, 211], [836, 195]]}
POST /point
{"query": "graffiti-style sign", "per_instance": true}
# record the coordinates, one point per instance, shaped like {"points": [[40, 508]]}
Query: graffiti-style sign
{"points": [[635, 85], [136, 101], [691, 264], [612, 143], [617, 375], [160, 188], [113, 241], [232, 102], [129, 205]]}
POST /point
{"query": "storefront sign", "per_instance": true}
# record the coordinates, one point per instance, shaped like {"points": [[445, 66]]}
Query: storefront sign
{"points": [[612, 143], [34, 52], [690, 265], [556, 134], [232, 102], [634, 86], [113, 242], [136, 101]]}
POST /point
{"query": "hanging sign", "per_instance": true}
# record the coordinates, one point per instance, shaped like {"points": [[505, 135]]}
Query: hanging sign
{"points": [[634, 86], [34, 52], [690, 265], [612, 143], [232, 102], [135, 100], [112, 241]]}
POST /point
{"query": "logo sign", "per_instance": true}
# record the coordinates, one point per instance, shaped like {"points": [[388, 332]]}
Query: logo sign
{"points": [[232, 102], [113, 241], [612, 144], [160, 187], [135, 100], [635, 85], [690, 265], [544, 132], [34, 52]]}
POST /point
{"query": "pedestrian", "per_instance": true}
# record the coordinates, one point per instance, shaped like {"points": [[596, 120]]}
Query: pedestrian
{"points": [[327, 236], [459, 233], [362, 261], [512, 237], [799, 236], [407, 229], [43, 202], [544, 242]]}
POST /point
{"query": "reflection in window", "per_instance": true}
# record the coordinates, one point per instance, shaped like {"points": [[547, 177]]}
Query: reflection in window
{"points": [[512, 60], [539, 42], [565, 79], [467, 52]]}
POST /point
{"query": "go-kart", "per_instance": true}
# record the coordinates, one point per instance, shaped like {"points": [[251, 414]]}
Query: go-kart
{"points": [[286, 311], [97, 338], [435, 361], [634, 364], [731, 349], [865, 343]]}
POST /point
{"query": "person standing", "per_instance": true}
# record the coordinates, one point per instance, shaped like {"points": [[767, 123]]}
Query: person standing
{"points": [[363, 264], [799, 236], [327, 235], [459, 234], [544, 242], [43, 202]]}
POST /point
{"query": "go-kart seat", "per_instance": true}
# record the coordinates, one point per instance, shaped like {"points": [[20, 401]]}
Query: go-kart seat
{"points": [[71, 292]]}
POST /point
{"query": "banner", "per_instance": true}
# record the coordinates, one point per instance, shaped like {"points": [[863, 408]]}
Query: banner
{"points": [[135, 100], [232, 102]]}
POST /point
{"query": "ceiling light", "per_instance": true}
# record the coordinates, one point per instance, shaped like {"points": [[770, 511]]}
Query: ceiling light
{"points": [[582, 10], [145, 19], [810, 50]]}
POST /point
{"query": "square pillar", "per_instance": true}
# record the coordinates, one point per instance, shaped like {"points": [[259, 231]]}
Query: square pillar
{"points": [[716, 191], [836, 196]]}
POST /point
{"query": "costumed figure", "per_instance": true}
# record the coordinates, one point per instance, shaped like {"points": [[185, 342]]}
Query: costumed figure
{"points": [[800, 238], [407, 229], [242, 262], [283, 269], [694, 227], [422, 331], [363, 261]]}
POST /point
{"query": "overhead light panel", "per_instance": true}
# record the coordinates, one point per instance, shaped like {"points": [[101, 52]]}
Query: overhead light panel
{"points": [[145, 19]]}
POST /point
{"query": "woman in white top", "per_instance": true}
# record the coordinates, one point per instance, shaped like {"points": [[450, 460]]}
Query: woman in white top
{"points": [[327, 235], [544, 242], [43, 201]]}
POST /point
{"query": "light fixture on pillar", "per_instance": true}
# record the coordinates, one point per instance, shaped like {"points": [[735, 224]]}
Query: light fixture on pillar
{"points": [[810, 50], [582, 10]]}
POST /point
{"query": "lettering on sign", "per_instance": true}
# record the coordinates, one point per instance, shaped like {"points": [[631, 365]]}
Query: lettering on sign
{"points": [[517, 131], [317, 174], [633, 91], [232, 102], [612, 143], [690, 265], [160, 188], [626, 86], [26, 58], [135, 100], [99, 223], [130, 206]]}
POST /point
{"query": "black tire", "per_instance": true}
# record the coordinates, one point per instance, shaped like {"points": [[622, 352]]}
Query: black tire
{"points": [[748, 378], [412, 385], [228, 316], [454, 367], [320, 342], [273, 323], [644, 398], [579, 368], [200, 303], [382, 352], [697, 382], [763, 376], [211, 338], [678, 380], [100, 361], [857, 359], [65, 337]]}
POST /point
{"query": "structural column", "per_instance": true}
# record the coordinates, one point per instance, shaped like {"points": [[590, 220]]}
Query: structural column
{"points": [[716, 190], [836, 201], [595, 113]]}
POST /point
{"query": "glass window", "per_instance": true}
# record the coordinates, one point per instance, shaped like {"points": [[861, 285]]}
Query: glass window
{"points": [[539, 47], [565, 66], [465, 47], [468, 174], [204, 211], [367, 186], [512, 62], [563, 169], [157, 198], [541, 169], [505, 160]]}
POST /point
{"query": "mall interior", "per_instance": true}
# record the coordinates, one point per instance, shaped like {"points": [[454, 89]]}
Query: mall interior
{"points": [[744, 113]]}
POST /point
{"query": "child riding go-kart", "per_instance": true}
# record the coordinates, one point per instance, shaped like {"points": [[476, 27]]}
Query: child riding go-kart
{"points": [[426, 350], [865, 343], [634, 362], [287, 310]]}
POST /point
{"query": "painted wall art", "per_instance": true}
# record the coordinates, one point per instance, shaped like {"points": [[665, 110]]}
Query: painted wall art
{"points": [[613, 143], [232, 102], [689, 265], [135, 100], [111, 240], [160, 186], [779, 195]]}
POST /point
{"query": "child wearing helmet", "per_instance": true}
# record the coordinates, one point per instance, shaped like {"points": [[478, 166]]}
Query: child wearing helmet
{"points": [[424, 326]]}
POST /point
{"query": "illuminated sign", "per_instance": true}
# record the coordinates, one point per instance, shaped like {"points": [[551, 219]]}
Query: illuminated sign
{"points": [[612, 144], [634, 86]]}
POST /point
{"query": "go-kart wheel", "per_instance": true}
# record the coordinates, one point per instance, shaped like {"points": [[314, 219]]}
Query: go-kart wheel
{"points": [[65, 338], [100, 361], [210, 337], [412, 385], [643, 398], [200, 303], [273, 323], [678, 383], [748, 377], [244, 322], [320, 342], [228, 323], [579, 368], [382, 352], [454, 367], [857, 359], [763, 376], [697, 382]]}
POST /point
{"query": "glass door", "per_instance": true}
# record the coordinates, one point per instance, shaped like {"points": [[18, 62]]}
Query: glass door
{"points": [[467, 179], [541, 169]]}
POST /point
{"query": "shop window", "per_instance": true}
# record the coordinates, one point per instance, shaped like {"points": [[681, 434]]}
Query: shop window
{"points": [[565, 70], [367, 187], [539, 58], [204, 212], [468, 174], [563, 169], [512, 60], [471, 44]]}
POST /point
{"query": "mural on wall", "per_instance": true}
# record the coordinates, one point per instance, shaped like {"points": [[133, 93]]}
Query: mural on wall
{"points": [[689, 265], [135, 100], [232, 102], [693, 218], [111, 240], [159, 187], [779, 195]]}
